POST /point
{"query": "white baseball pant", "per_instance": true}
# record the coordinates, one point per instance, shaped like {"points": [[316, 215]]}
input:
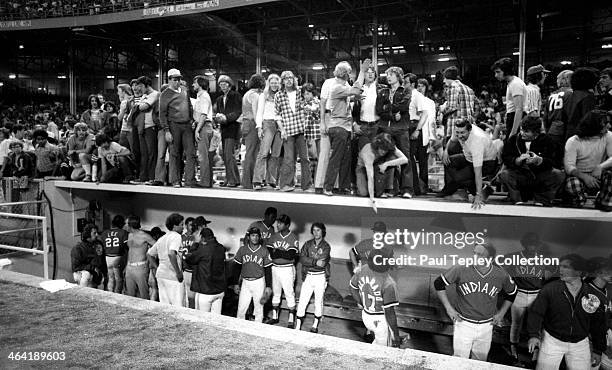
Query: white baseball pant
{"points": [[209, 302], [189, 294], [83, 278], [517, 310], [171, 292], [283, 279], [313, 283], [251, 290], [472, 340], [552, 351], [378, 324]]}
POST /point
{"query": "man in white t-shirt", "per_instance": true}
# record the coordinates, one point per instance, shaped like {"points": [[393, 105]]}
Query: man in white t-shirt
{"points": [[515, 93], [169, 273], [325, 148], [203, 115], [419, 118], [466, 169]]}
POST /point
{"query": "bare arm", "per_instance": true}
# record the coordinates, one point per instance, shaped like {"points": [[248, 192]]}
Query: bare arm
{"points": [[518, 115]]}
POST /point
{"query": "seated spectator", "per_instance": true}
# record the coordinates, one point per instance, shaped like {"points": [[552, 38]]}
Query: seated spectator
{"points": [[588, 160], [48, 157], [468, 157], [88, 259], [529, 158], [376, 166], [80, 146], [116, 161], [20, 164], [19, 133]]}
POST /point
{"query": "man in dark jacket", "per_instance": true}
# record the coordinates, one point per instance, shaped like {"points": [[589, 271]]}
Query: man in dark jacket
{"points": [[568, 311], [89, 260], [229, 108], [582, 100], [209, 279], [529, 158]]}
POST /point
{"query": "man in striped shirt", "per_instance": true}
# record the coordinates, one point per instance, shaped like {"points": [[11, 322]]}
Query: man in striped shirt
{"points": [[533, 100]]}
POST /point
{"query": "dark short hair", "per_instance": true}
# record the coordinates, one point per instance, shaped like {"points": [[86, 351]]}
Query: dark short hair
{"points": [[319, 225], [451, 73], [15, 143], [133, 81], [530, 238], [270, 210], [411, 77], [110, 104], [284, 219], [424, 82], [201, 81], [383, 141], [464, 124], [17, 127], [101, 139], [533, 124], [592, 123], [144, 80], [118, 221], [256, 82], [506, 65], [173, 220], [87, 231], [576, 261], [157, 233], [39, 133], [133, 221], [584, 78]]}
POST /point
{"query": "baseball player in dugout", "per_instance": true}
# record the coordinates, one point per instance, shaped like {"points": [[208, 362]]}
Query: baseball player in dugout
{"points": [[266, 226], [284, 247], [376, 293], [475, 311], [254, 264], [359, 253], [314, 257]]}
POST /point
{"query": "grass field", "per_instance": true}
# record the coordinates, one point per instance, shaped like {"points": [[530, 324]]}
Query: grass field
{"points": [[95, 334]]}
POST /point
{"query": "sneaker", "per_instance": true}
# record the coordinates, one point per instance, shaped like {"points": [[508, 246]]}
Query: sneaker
{"points": [[314, 330], [288, 188], [310, 190], [177, 185], [271, 321], [149, 182], [328, 193], [272, 185], [486, 192], [156, 183], [521, 203], [603, 208], [87, 178], [257, 187], [136, 182], [407, 195], [318, 190], [384, 195]]}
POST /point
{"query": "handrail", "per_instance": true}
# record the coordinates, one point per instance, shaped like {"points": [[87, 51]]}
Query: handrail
{"points": [[44, 252]]}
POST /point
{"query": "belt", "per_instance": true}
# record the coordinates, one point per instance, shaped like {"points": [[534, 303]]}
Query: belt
{"points": [[524, 291], [476, 321], [252, 279], [315, 272], [136, 264], [369, 123]]}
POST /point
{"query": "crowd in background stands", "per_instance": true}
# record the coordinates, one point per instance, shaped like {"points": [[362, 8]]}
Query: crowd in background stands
{"points": [[24, 9], [372, 137]]}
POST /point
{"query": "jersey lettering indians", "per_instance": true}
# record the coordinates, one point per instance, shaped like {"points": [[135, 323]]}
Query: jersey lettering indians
{"points": [[285, 243], [529, 279], [476, 292], [115, 242], [266, 232], [253, 261], [377, 290]]}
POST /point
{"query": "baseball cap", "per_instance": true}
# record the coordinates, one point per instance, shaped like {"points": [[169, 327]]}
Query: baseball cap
{"points": [[379, 226], [202, 221], [174, 73], [207, 233], [535, 69], [254, 230]]}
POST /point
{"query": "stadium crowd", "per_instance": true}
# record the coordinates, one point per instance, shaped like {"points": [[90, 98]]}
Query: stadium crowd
{"points": [[373, 137], [566, 307], [31, 9]]}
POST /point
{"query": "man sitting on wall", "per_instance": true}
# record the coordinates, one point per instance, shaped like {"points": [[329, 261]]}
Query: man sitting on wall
{"points": [[115, 161]]}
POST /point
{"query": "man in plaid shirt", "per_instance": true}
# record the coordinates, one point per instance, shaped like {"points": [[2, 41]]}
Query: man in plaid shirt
{"points": [[289, 104], [461, 100]]}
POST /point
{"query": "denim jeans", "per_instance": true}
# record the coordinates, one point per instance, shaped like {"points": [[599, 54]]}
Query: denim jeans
{"points": [[287, 172], [251, 141], [418, 154], [401, 135], [160, 166], [267, 162], [183, 141], [203, 146], [323, 161], [339, 162], [460, 172], [232, 176], [148, 153]]}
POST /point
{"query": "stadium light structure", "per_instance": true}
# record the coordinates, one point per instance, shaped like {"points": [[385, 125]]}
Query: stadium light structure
{"points": [[1, 84], [21, 46], [444, 59], [110, 77], [317, 67], [606, 46], [146, 39], [516, 53], [61, 77], [310, 25], [12, 76], [565, 62]]}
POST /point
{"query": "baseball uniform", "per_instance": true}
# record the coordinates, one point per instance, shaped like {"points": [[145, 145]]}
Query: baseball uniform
{"points": [[476, 305], [187, 246], [283, 249], [529, 280], [605, 295], [254, 260], [115, 246], [171, 291], [266, 232], [378, 291]]}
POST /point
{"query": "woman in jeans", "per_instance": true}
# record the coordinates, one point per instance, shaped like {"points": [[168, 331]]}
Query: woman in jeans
{"points": [[124, 91], [267, 165]]}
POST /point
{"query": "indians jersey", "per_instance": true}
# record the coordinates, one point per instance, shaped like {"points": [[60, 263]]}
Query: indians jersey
{"points": [[528, 278], [115, 242], [476, 292], [266, 232], [555, 116], [377, 290], [253, 260], [605, 296], [363, 249], [187, 245], [283, 243]]}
